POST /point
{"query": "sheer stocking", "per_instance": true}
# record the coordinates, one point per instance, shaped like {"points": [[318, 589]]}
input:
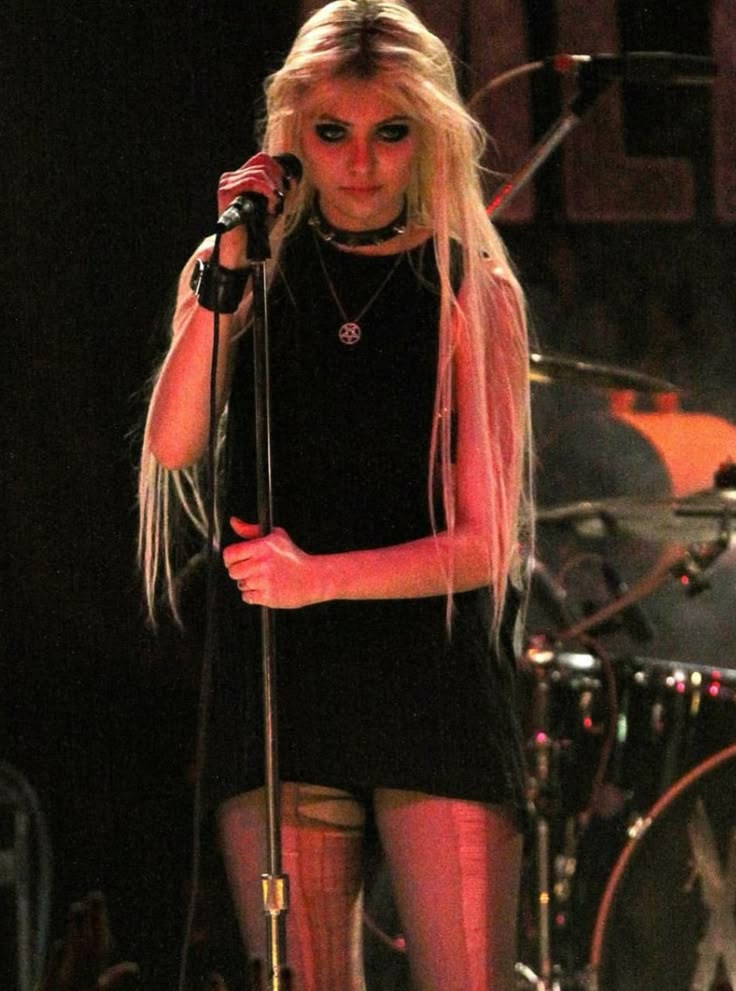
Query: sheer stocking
{"points": [[455, 870]]}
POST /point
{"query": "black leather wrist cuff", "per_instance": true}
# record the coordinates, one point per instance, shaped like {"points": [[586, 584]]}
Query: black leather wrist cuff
{"points": [[217, 288]]}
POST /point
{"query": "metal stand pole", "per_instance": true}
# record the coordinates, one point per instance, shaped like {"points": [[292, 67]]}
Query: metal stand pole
{"points": [[543, 781], [275, 886], [590, 89]]}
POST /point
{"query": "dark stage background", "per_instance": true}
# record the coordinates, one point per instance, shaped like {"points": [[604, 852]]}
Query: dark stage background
{"points": [[117, 121]]}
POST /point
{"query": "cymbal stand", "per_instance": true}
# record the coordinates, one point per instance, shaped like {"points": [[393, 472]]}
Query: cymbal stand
{"points": [[542, 785], [591, 85]]}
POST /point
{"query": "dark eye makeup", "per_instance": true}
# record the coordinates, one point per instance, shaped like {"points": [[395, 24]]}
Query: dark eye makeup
{"points": [[333, 131], [329, 131], [393, 132]]}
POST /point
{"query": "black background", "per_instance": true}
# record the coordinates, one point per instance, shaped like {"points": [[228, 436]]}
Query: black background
{"points": [[118, 119]]}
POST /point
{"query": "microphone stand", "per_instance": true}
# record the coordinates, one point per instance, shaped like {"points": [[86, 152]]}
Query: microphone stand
{"points": [[274, 884], [591, 85]]}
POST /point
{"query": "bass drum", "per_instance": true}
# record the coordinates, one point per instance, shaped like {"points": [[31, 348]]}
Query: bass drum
{"points": [[668, 917]]}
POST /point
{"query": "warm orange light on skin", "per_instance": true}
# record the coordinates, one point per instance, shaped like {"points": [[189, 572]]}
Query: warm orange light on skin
{"points": [[358, 149]]}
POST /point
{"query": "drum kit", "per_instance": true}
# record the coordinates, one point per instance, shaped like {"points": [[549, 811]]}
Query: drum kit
{"points": [[630, 881], [629, 878]]}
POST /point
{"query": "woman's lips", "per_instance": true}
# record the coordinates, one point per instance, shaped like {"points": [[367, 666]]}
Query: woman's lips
{"points": [[360, 190]]}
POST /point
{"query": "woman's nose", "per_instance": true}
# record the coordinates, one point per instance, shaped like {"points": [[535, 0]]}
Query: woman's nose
{"points": [[361, 156]]}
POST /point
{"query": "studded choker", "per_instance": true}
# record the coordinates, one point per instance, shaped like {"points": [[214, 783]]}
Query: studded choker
{"points": [[356, 239]]}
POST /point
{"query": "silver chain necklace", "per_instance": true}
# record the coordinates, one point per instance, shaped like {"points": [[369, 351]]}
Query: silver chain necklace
{"points": [[350, 331]]}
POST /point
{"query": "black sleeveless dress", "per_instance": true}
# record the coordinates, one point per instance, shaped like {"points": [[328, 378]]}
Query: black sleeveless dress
{"points": [[370, 693]]}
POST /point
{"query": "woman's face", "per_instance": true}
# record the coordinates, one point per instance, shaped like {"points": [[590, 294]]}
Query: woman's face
{"points": [[358, 150]]}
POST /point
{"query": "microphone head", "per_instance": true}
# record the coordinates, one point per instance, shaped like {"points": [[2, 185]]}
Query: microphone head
{"points": [[291, 165]]}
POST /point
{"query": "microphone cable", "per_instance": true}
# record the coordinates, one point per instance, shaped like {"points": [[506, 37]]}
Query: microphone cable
{"points": [[205, 681]]}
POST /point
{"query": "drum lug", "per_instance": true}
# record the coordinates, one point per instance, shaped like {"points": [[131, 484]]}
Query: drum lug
{"points": [[588, 979], [638, 827]]}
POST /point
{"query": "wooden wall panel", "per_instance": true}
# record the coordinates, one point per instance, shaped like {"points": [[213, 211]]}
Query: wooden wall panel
{"points": [[723, 33]]}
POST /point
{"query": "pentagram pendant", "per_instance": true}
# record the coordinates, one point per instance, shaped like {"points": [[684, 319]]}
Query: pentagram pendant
{"points": [[350, 333]]}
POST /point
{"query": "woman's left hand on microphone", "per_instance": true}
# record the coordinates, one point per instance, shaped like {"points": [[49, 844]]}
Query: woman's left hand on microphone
{"points": [[270, 570]]}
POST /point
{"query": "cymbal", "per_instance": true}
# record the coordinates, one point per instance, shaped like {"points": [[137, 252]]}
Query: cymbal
{"points": [[558, 368], [702, 517]]}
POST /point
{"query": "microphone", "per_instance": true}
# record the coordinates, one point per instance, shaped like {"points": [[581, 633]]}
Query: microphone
{"points": [[644, 68], [254, 204]]}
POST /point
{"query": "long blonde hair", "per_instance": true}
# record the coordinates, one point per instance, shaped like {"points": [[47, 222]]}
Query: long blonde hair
{"points": [[384, 41]]}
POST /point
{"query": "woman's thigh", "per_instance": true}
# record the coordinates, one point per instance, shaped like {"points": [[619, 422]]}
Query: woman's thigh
{"points": [[321, 852], [455, 868]]}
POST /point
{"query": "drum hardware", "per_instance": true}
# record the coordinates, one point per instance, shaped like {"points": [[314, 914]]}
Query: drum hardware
{"points": [[549, 592], [549, 368], [529, 979], [701, 943], [692, 680], [696, 519], [633, 618], [692, 571], [566, 680], [557, 672], [630, 617], [557, 667], [666, 919], [670, 557], [668, 722], [703, 520], [638, 827], [679, 704], [554, 875], [544, 752], [686, 686]]}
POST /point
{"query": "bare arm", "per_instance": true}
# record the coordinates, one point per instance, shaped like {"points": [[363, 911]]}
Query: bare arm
{"points": [[178, 416], [272, 571]]}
